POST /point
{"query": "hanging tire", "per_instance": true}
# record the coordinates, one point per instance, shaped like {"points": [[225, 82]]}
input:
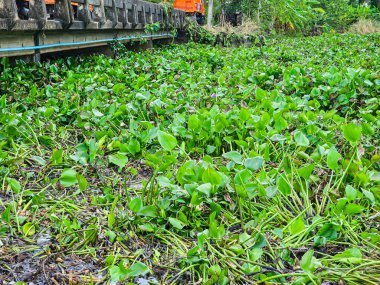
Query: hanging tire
{"points": [[201, 19]]}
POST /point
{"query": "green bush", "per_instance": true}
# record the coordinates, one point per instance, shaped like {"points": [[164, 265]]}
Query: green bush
{"points": [[305, 15], [364, 12], [340, 14]]}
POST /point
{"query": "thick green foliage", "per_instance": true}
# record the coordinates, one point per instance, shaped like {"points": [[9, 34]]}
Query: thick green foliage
{"points": [[194, 163], [304, 15], [340, 14]]}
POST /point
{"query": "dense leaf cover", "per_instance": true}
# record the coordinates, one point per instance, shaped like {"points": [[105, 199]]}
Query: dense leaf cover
{"points": [[194, 163]]}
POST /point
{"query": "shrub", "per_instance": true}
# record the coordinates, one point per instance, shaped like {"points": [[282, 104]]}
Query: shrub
{"points": [[365, 26], [337, 14]]}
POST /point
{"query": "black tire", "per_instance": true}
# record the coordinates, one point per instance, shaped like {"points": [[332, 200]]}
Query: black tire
{"points": [[201, 19]]}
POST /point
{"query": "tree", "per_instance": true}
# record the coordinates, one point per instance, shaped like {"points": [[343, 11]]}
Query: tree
{"points": [[210, 13]]}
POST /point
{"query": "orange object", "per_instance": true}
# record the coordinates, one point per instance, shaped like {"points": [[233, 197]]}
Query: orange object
{"points": [[190, 6], [52, 2]]}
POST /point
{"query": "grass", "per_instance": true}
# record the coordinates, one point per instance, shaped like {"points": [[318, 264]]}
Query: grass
{"points": [[247, 28], [365, 26], [194, 164]]}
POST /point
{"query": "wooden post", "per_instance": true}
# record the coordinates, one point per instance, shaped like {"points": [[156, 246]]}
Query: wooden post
{"points": [[103, 18], [64, 13], [143, 15], [210, 13], [8, 9], [86, 13], [8, 14], [114, 15], [124, 13]]}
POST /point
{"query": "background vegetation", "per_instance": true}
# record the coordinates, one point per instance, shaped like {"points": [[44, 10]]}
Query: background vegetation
{"points": [[300, 15], [305, 15]]}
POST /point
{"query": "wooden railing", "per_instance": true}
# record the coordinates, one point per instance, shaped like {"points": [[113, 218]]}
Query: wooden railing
{"points": [[87, 14]]}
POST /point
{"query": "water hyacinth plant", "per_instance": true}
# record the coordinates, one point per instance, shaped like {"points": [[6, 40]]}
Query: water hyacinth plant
{"points": [[193, 164]]}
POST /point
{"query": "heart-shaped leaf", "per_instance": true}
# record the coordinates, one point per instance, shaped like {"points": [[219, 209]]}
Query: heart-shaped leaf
{"points": [[167, 141], [301, 139], [352, 132], [118, 159], [254, 163], [68, 177]]}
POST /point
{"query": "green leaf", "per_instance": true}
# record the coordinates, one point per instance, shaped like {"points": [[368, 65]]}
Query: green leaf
{"points": [[244, 114], [15, 186], [6, 215], [280, 123], [326, 233], [118, 159], [278, 232], [57, 156], [284, 186], [309, 263], [301, 139], [137, 269], [234, 156], [215, 231], [271, 191], [46, 140], [111, 219], [134, 147], [68, 177], [254, 163], [215, 270], [205, 188], [148, 211], [28, 229], [260, 241], [352, 133], [244, 237], [369, 195], [212, 176], [176, 223], [249, 268], [83, 184], [111, 235], [210, 149], [97, 113], [39, 160], [278, 138], [242, 177], [297, 226], [49, 112], [115, 274], [146, 228], [354, 209], [261, 94], [118, 88], [193, 123], [255, 254], [350, 256], [306, 171], [118, 273], [167, 141], [135, 205], [351, 193], [332, 159]]}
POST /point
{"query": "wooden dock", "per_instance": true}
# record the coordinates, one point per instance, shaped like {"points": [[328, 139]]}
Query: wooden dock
{"points": [[61, 25]]}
